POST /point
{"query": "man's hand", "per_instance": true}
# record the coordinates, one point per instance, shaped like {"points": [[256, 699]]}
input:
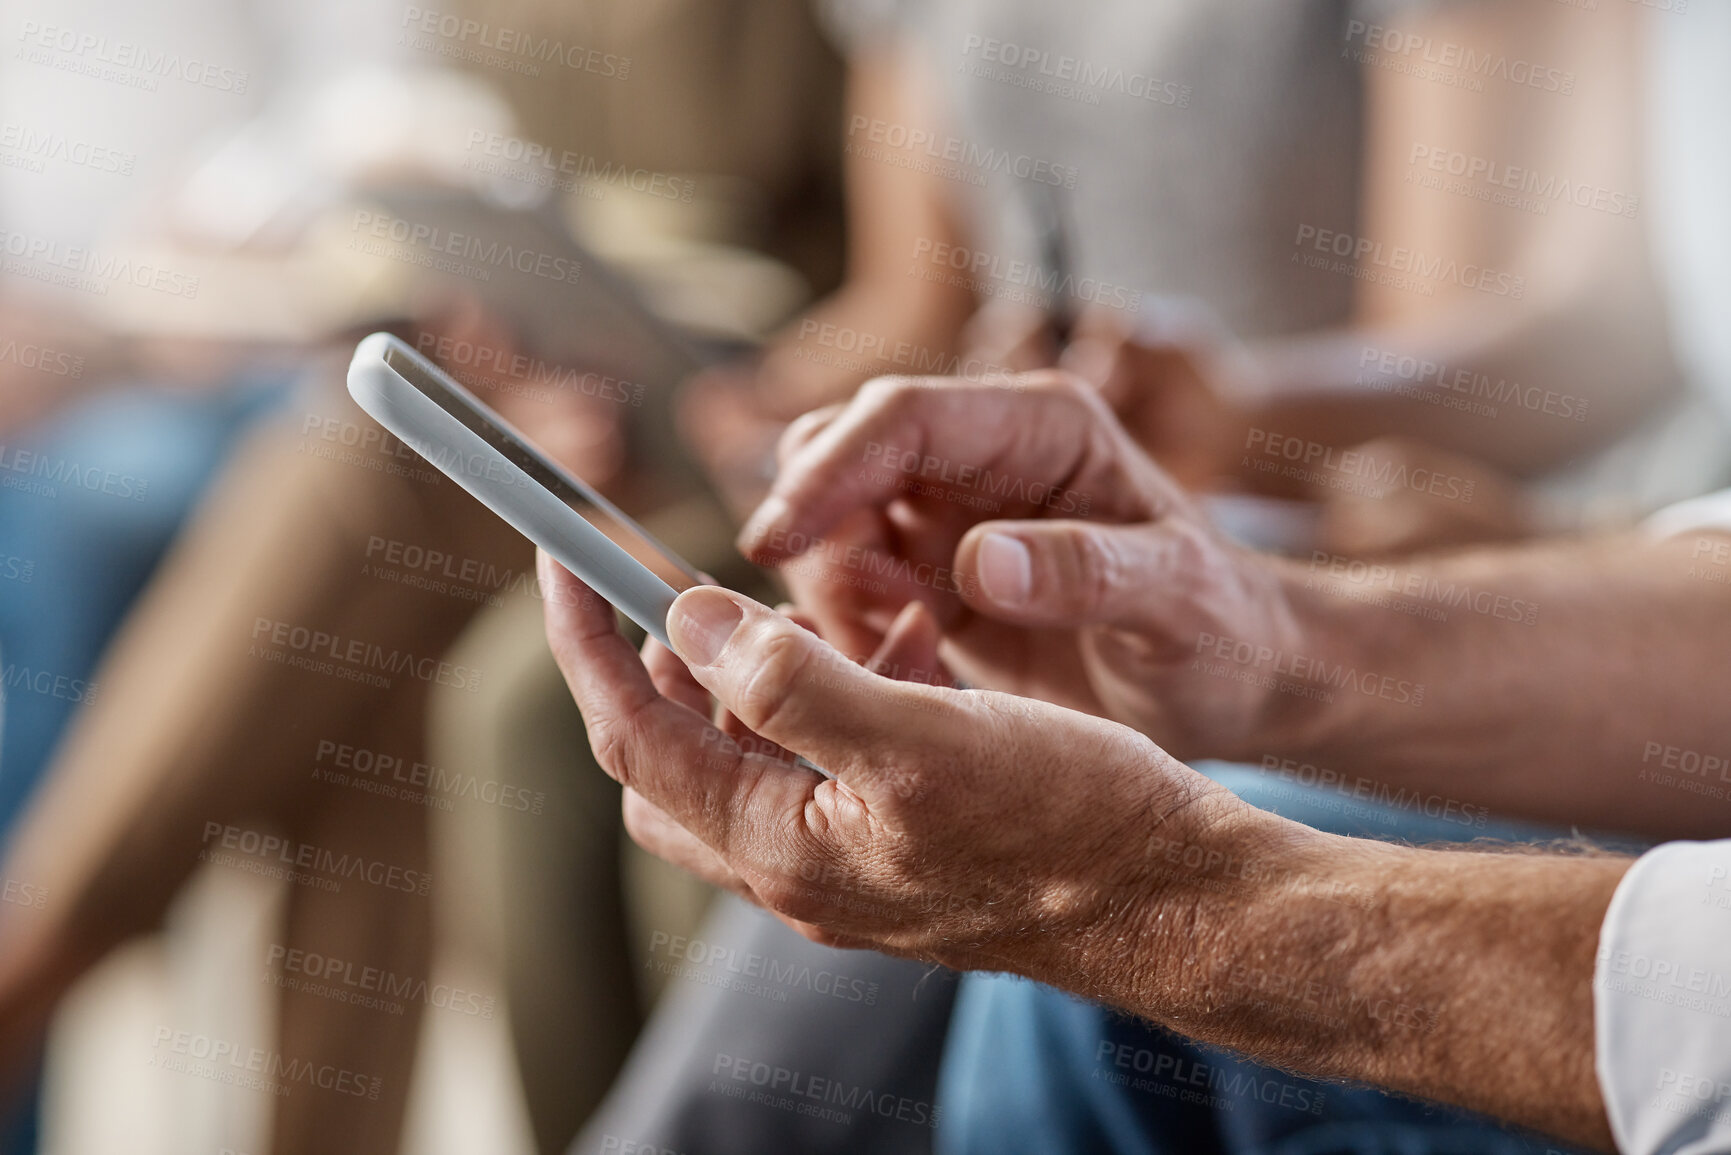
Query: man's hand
{"points": [[964, 827], [1061, 563], [1172, 373], [987, 832]]}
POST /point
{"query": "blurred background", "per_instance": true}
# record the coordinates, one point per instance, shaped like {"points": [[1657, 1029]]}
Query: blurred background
{"points": [[263, 894]]}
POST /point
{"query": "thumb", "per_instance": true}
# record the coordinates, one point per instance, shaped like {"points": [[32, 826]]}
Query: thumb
{"points": [[790, 686], [1074, 573]]}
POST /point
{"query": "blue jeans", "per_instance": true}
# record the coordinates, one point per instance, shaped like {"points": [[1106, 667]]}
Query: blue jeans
{"points": [[89, 503], [1031, 1069]]}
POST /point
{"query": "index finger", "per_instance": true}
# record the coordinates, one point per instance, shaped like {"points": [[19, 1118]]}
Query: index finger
{"points": [[1043, 440], [666, 751]]}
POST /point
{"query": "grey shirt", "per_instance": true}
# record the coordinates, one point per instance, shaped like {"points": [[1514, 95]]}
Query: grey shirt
{"points": [[1198, 136]]}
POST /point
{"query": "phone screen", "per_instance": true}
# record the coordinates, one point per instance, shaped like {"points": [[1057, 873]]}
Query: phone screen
{"points": [[542, 470]]}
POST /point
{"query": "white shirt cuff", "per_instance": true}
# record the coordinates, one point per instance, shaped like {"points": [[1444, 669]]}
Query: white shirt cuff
{"points": [[1662, 1002], [1709, 512]]}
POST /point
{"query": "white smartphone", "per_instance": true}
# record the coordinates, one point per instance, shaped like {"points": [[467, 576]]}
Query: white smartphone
{"points": [[468, 442]]}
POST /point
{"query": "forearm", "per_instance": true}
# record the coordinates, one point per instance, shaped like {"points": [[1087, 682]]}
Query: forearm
{"points": [[1541, 682], [1460, 977], [1524, 391], [1573, 323], [883, 319], [873, 326]]}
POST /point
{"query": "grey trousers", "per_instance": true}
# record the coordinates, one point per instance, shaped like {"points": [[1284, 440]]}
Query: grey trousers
{"points": [[767, 1043]]}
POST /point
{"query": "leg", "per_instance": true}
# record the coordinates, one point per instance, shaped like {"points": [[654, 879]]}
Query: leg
{"points": [[768, 1042], [543, 885]]}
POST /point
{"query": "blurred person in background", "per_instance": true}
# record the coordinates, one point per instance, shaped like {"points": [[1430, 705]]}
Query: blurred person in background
{"points": [[118, 401], [147, 391], [1187, 215], [193, 729]]}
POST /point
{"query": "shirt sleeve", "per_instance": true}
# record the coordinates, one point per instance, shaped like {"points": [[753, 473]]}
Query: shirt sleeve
{"points": [[860, 25], [1710, 512], [1662, 999], [1395, 9]]}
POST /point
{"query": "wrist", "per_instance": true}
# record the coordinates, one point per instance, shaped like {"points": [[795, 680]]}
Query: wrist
{"points": [[1330, 681], [1238, 950], [1205, 883]]}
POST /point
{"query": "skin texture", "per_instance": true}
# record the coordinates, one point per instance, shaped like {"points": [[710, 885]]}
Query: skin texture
{"points": [[1589, 323], [192, 728], [985, 830], [1142, 613]]}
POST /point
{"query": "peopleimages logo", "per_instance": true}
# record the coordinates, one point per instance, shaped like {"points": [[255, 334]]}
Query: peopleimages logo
{"points": [[814, 1095], [274, 849], [1452, 56], [329, 653], [1303, 670], [1084, 78], [957, 151], [995, 275], [33, 472], [1352, 470], [224, 1061], [718, 965], [23, 894], [44, 360], [362, 985], [1543, 188], [1363, 257], [1388, 365], [531, 162], [485, 254], [87, 270], [1007, 487], [39, 147], [89, 53], [514, 49]]}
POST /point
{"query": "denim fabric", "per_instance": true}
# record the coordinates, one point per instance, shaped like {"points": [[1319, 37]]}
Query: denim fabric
{"points": [[89, 503], [1031, 1069]]}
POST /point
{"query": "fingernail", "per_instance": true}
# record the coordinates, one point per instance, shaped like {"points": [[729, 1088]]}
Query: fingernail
{"points": [[1006, 570], [701, 622], [768, 515]]}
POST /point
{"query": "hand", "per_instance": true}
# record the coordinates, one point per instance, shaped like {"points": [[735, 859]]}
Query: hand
{"points": [[1059, 561], [1174, 377], [731, 415], [963, 827], [1472, 504], [730, 428]]}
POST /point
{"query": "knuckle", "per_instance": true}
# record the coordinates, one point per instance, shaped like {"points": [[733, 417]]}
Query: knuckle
{"points": [[1099, 566], [801, 432], [776, 674], [617, 740], [612, 742], [1195, 566], [890, 396], [1061, 385]]}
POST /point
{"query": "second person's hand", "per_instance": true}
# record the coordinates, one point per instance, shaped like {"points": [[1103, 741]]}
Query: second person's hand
{"points": [[1060, 561]]}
